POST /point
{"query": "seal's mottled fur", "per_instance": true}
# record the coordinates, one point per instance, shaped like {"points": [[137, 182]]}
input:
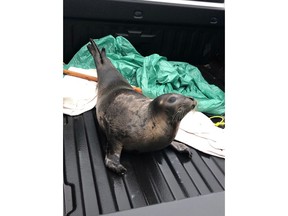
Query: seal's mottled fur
{"points": [[130, 120]]}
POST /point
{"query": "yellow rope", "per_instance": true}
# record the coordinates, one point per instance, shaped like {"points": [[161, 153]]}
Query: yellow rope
{"points": [[219, 123]]}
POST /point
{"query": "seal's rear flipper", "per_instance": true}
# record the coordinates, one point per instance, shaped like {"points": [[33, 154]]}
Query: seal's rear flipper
{"points": [[95, 52]]}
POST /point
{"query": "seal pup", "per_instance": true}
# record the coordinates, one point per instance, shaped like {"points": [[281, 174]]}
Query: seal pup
{"points": [[130, 120]]}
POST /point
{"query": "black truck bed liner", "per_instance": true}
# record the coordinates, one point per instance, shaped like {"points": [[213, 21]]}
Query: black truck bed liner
{"points": [[152, 178]]}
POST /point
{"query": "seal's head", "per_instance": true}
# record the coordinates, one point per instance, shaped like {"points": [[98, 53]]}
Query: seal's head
{"points": [[173, 107]]}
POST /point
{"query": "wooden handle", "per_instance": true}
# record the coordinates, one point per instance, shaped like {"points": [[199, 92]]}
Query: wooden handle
{"points": [[80, 75], [137, 89], [91, 78]]}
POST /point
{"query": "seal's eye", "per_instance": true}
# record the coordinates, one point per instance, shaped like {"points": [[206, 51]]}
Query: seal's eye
{"points": [[171, 99]]}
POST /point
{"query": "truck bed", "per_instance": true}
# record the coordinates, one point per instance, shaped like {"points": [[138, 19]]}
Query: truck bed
{"points": [[161, 177]]}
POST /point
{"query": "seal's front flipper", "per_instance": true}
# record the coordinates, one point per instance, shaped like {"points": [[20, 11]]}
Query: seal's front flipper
{"points": [[181, 147], [112, 159], [112, 162]]}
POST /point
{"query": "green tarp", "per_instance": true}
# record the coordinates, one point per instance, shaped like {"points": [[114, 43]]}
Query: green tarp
{"points": [[154, 74]]}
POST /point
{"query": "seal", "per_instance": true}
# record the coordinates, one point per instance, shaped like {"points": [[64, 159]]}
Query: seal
{"points": [[132, 121]]}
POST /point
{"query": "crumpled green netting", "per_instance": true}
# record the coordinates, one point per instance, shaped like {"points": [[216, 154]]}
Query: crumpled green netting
{"points": [[154, 74]]}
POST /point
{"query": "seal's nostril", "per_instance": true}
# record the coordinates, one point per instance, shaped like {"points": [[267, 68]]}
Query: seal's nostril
{"points": [[191, 98]]}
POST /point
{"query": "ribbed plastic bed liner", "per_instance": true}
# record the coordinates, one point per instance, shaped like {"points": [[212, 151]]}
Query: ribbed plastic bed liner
{"points": [[153, 180]]}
